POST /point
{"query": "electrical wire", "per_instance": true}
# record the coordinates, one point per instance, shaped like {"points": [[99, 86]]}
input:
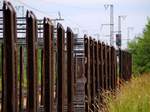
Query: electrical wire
{"points": [[35, 9]]}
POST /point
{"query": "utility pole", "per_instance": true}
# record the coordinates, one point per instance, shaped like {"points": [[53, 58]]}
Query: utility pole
{"points": [[111, 6], [55, 23], [57, 19], [119, 25], [118, 43], [119, 35], [128, 37], [111, 25]]}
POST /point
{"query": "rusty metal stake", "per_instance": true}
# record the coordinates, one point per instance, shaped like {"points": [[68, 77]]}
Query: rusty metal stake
{"points": [[9, 50], [42, 76], [60, 67], [92, 73], [2, 59], [87, 73], [31, 36], [70, 75], [21, 78], [48, 74]]}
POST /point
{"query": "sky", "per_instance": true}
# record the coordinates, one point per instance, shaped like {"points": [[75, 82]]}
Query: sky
{"points": [[87, 16]]}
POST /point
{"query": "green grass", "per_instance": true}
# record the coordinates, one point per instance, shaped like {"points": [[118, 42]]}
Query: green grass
{"points": [[25, 67], [133, 96]]}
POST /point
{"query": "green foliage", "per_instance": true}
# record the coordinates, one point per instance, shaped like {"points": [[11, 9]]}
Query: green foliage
{"points": [[140, 49], [134, 96]]}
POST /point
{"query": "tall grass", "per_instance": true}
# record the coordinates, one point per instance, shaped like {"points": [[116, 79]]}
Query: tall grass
{"points": [[133, 96]]}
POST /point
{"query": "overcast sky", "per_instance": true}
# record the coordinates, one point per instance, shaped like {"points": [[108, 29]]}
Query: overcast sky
{"points": [[88, 15]]}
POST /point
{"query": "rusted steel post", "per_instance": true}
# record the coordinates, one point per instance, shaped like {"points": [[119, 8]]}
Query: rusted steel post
{"points": [[120, 64], [16, 59], [94, 76], [75, 73], [70, 75], [31, 36], [53, 76], [102, 77], [2, 59], [10, 101], [105, 67], [96, 47], [109, 68], [87, 72], [127, 64], [92, 73], [124, 65], [60, 67], [115, 69], [112, 68], [96, 68], [99, 67], [21, 78], [130, 65], [127, 71], [42, 76], [108, 72], [48, 74]]}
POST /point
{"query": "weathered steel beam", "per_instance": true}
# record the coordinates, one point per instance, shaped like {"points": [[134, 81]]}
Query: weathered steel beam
{"points": [[112, 68], [21, 78], [2, 68], [10, 100], [105, 67], [42, 76], [87, 73], [102, 76], [70, 75], [109, 67], [96, 58], [48, 66], [31, 36], [115, 70], [60, 67], [92, 73]]}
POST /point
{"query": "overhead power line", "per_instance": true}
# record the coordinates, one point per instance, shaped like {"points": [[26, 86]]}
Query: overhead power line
{"points": [[40, 11]]}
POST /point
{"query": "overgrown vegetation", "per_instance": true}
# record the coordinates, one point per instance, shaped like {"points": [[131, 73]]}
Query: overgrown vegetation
{"points": [[140, 49], [132, 97]]}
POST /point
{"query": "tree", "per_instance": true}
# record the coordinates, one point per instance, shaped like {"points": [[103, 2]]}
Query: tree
{"points": [[140, 49]]}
